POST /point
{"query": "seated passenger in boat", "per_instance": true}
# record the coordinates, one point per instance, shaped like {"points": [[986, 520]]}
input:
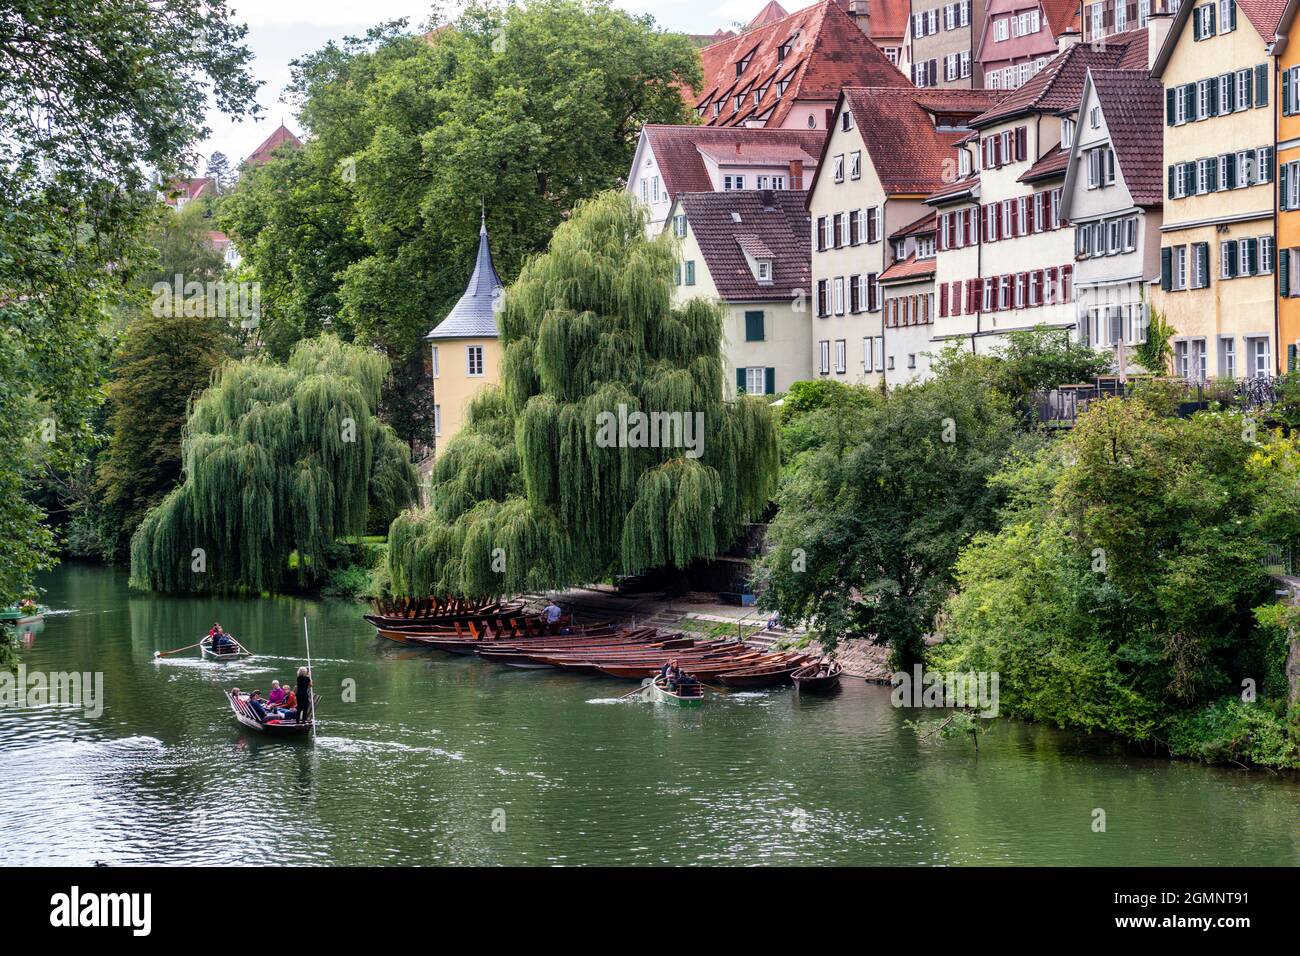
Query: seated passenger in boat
{"points": [[222, 642], [259, 706], [671, 673], [277, 696], [687, 686]]}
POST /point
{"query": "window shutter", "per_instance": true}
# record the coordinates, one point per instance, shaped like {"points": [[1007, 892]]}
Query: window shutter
{"points": [[1203, 255], [769, 381], [1209, 31], [1229, 252], [740, 381], [1284, 277], [1213, 184], [1261, 85], [753, 326], [1286, 92], [1166, 268], [1284, 176], [1230, 81], [1290, 357], [943, 300], [1021, 142], [1212, 92], [1171, 181], [1169, 107], [1230, 171], [1252, 255]]}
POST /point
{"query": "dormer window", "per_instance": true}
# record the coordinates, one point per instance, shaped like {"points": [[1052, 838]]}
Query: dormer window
{"points": [[1067, 133], [783, 51], [781, 87], [764, 271], [743, 63], [963, 162], [925, 247], [736, 101]]}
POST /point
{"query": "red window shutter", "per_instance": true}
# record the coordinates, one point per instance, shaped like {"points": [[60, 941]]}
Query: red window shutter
{"points": [[943, 300], [1021, 141], [998, 225]]}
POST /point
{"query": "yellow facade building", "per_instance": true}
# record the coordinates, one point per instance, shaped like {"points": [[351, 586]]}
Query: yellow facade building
{"points": [[465, 347], [1217, 246]]}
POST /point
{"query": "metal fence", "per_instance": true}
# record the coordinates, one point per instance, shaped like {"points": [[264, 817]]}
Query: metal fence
{"points": [[1061, 407]]}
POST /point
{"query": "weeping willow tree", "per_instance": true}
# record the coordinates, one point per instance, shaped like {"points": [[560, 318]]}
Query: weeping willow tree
{"points": [[532, 492], [276, 458]]}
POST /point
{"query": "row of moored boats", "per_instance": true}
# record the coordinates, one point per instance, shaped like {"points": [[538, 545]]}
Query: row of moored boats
{"points": [[505, 633]]}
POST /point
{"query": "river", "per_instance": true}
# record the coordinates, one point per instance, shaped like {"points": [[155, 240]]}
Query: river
{"points": [[448, 760]]}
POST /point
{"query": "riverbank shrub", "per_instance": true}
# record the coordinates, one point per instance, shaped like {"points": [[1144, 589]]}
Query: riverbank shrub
{"points": [[1117, 593]]}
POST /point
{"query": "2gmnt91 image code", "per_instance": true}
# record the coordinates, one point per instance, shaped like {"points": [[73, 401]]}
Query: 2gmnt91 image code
{"points": [[1191, 897]]}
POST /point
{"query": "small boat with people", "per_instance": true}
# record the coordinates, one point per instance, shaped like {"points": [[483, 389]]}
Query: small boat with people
{"points": [[220, 646], [256, 714], [819, 677], [680, 694], [23, 613]]}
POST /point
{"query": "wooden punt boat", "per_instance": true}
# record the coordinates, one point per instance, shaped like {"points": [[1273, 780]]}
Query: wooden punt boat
{"points": [[773, 676], [526, 657], [21, 615], [708, 667], [245, 714], [592, 663], [440, 612], [471, 646], [819, 678], [205, 647], [661, 693]]}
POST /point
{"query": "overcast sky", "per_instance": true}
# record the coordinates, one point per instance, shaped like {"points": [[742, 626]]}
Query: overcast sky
{"points": [[282, 30]]}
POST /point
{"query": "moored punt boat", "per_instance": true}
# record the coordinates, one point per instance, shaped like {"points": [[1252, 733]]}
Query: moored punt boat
{"points": [[661, 693], [470, 646], [820, 677], [751, 677], [245, 714], [702, 667], [433, 611], [526, 655], [205, 647]]}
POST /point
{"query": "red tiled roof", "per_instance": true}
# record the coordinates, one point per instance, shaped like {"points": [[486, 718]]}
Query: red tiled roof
{"points": [[773, 11], [754, 246], [828, 52], [1133, 104], [189, 188], [922, 226], [1264, 15], [677, 150], [749, 154], [1061, 15], [888, 18], [1053, 164], [909, 154], [1059, 85], [909, 268], [780, 228], [960, 187], [273, 142]]}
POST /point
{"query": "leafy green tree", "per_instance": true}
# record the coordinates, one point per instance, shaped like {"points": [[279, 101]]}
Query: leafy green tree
{"points": [[91, 95], [219, 170], [1117, 594], [524, 109], [164, 361], [1044, 358], [276, 459], [541, 489], [179, 244], [871, 521]]}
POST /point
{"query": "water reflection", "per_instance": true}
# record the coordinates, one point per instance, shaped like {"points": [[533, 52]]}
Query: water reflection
{"points": [[444, 760]]}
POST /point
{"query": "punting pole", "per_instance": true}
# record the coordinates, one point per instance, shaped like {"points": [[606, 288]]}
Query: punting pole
{"points": [[311, 691]]}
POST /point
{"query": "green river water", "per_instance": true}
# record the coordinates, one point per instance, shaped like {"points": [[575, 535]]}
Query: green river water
{"points": [[448, 760]]}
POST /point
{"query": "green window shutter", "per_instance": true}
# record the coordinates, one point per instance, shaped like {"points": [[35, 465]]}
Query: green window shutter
{"points": [[740, 381], [1166, 268], [1231, 23], [1171, 182], [1230, 81], [1229, 252], [1249, 78], [1169, 107], [1230, 170], [1286, 92], [769, 381], [1290, 357], [1213, 184], [1284, 281], [1261, 85], [753, 326], [1283, 176], [1252, 256]]}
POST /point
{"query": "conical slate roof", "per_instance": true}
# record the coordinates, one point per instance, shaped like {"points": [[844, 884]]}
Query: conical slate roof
{"points": [[474, 315]]}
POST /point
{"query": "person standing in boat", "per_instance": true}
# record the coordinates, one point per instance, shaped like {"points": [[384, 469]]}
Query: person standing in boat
{"points": [[303, 694], [551, 614]]}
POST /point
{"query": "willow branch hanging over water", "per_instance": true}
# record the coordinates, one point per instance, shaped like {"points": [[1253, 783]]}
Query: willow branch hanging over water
{"points": [[556, 479], [276, 458]]}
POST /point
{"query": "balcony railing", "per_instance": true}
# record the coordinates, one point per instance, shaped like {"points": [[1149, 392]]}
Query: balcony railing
{"points": [[1061, 407]]}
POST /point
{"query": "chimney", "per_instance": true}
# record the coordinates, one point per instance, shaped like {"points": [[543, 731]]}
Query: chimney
{"points": [[1068, 39], [768, 198], [1158, 25], [796, 174], [861, 14]]}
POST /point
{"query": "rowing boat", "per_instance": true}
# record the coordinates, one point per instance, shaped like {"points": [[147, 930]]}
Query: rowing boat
{"points": [[661, 693], [772, 674], [205, 646], [818, 678], [245, 714], [21, 615]]}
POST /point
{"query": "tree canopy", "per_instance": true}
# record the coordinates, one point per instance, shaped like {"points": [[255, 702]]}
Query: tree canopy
{"points": [[524, 108], [539, 489], [92, 95], [277, 458]]}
